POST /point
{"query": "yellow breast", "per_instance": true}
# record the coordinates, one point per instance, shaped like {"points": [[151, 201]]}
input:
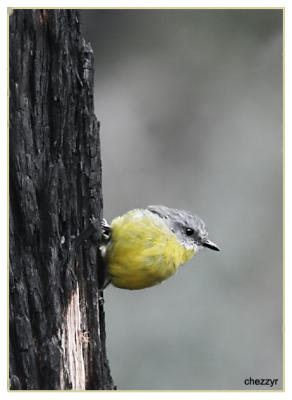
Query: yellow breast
{"points": [[143, 251]]}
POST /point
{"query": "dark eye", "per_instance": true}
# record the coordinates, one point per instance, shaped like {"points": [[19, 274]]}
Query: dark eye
{"points": [[189, 231]]}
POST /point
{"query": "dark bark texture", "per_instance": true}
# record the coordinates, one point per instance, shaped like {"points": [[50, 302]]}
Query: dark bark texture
{"points": [[57, 330]]}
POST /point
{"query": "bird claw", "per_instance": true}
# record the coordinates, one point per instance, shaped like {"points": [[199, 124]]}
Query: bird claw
{"points": [[84, 337], [105, 230]]}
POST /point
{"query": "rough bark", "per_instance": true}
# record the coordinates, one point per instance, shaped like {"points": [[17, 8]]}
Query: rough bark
{"points": [[57, 330]]}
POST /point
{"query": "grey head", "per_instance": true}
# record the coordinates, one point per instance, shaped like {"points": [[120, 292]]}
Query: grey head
{"points": [[189, 229]]}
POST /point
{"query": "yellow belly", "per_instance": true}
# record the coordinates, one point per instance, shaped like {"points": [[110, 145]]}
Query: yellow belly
{"points": [[143, 251]]}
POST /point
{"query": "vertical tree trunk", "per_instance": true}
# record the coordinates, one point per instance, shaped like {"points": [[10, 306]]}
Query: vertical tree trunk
{"points": [[57, 331]]}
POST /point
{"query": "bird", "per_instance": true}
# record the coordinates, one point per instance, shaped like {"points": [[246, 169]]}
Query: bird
{"points": [[145, 246]]}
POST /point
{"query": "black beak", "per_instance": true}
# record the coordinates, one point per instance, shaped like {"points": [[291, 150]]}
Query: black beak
{"points": [[210, 245]]}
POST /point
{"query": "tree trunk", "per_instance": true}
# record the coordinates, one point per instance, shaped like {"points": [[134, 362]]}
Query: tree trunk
{"points": [[57, 329]]}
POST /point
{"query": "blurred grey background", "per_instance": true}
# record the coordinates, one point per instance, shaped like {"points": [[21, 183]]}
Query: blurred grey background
{"points": [[190, 104]]}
